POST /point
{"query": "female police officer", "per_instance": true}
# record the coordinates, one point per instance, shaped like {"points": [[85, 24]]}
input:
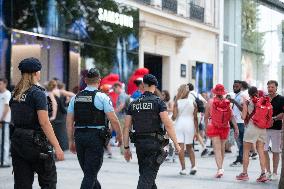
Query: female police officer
{"points": [[33, 134]]}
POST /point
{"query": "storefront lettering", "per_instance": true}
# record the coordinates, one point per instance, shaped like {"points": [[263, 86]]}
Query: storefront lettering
{"points": [[115, 18]]}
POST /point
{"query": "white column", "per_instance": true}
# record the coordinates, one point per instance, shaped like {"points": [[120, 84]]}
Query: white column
{"points": [[220, 70], [183, 8], [232, 45], [141, 49], [209, 12]]}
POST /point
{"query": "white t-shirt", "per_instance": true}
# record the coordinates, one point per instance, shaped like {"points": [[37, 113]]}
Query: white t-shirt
{"points": [[245, 95], [237, 113], [4, 99]]}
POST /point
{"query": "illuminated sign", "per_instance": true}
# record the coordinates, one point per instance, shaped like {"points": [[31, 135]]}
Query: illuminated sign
{"points": [[115, 18]]}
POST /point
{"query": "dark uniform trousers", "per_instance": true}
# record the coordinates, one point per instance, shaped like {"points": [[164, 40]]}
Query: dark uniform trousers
{"points": [[147, 152], [25, 160], [90, 151], [24, 173]]}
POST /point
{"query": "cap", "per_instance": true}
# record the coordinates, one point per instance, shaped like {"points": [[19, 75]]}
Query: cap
{"points": [[93, 72], [150, 79], [30, 65]]}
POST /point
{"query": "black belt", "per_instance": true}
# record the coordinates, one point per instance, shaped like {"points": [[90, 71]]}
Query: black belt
{"points": [[26, 126], [151, 135], [28, 130], [88, 129]]}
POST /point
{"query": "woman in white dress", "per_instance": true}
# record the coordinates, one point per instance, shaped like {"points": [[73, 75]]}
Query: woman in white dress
{"points": [[186, 126]]}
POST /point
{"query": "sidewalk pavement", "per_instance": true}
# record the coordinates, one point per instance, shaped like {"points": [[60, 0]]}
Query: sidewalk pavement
{"points": [[116, 173]]}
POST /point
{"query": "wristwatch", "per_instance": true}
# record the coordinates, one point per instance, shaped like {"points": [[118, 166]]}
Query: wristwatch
{"points": [[126, 147]]}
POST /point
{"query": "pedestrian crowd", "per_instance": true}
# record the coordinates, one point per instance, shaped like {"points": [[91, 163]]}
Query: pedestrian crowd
{"points": [[103, 115]]}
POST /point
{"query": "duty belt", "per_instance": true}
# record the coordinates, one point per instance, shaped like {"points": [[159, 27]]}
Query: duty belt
{"points": [[18, 126], [153, 135]]}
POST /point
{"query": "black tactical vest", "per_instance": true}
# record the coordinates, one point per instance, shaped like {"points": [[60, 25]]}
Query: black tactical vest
{"points": [[85, 113], [145, 115], [23, 112]]}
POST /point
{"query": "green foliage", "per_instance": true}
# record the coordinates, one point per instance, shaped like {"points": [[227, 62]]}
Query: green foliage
{"points": [[252, 39]]}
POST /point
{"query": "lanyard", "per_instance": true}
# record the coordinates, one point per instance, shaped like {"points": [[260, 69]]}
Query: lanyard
{"points": [[235, 98]]}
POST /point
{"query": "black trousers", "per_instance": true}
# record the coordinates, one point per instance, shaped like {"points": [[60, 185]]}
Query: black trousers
{"points": [[147, 152], [26, 161], [24, 173], [90, 153]]}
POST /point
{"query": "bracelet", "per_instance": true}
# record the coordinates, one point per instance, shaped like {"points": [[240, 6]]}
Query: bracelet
{"points": [[126, 147]]}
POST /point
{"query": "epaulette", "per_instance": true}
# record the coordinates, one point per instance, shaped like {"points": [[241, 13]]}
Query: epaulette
{"points": [[39, 87]]}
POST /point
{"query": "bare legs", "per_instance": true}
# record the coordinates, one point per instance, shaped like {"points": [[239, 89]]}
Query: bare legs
{"points": [[181, 156], [247, 148], [275, 159], [219, 150], [189, 149], [260, 151]]}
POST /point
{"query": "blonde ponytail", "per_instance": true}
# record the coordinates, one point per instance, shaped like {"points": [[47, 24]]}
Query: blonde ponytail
{"points": [[25, 83]]}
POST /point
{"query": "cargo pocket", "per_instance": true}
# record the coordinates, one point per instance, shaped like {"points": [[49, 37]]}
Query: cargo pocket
{"points": [[23, 145]]}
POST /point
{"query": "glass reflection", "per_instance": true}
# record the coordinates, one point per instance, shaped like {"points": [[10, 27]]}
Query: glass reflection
{"points": [[261, 43]]}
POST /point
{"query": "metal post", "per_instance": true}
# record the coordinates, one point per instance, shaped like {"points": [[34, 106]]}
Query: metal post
{"points": [[2, 145]]}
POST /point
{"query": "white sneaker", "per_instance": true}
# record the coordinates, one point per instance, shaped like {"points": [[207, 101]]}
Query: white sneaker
{"points": [[183, 172], [193, 171], [219, 173], [274, 177], [269, 175]]}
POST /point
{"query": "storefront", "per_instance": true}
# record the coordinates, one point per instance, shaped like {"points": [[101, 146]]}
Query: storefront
{"points": [[69, 37], [253, 49]]}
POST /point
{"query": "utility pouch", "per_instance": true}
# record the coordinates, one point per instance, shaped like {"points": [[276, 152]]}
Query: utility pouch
{"points": [[46, 150], [165, 142], [105, 135], [161, 157], [132, 137]]}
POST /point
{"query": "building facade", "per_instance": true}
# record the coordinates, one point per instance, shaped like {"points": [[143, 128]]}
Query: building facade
{"points": [[179, 41], [253, 42], [69, 37]]}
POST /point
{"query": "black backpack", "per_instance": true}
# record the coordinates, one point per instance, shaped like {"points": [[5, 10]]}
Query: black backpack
{"points": [[199, 103]]}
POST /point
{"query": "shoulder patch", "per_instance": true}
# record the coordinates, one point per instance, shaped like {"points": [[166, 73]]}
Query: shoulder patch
{"points": [[84, 99]]}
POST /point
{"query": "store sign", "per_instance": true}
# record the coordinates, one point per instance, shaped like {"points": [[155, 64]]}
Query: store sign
{"points": [[115, 18]]}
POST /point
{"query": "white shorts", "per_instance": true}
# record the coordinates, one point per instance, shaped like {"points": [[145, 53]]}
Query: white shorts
{"points": [[275, 136], [185, 135]]}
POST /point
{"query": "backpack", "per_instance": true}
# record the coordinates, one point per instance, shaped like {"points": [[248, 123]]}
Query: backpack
{"points": [[220, 112], [199, 103], [263, 111]]}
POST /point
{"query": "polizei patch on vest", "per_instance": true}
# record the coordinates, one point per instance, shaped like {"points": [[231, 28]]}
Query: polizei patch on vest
{"points": [[143, 106], [84, 99]]}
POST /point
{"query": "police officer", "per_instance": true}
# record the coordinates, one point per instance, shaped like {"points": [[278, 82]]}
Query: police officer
{"points": [[30, 148], [147, 115], [87, 122]]}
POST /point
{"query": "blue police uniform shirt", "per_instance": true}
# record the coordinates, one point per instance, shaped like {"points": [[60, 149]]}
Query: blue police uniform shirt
{"points": [[101, 102]]}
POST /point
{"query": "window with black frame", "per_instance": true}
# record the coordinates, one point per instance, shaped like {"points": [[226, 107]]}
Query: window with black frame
{"points": [[196, 10], [170, 5]]}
